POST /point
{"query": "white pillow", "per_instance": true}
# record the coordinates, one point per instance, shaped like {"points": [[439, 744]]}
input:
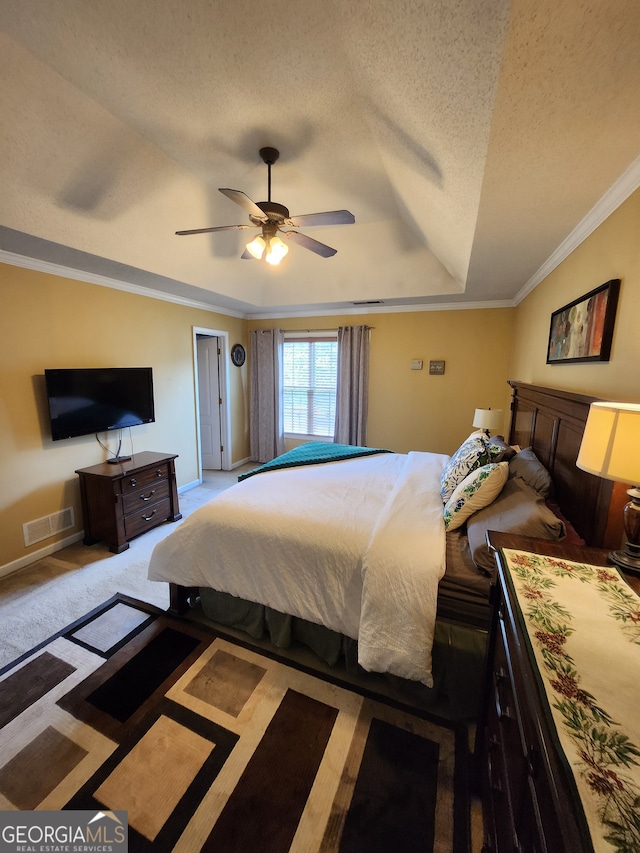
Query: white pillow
{"points": [[477, 490]]}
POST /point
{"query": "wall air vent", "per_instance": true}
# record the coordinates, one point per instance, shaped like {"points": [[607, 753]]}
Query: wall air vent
{"points": [[369, 302], [42, 528]]}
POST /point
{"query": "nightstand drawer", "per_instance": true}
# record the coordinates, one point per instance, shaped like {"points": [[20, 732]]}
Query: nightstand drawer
{"points": [[141, 498], [146, 518], [500, 802], [142, 479]]}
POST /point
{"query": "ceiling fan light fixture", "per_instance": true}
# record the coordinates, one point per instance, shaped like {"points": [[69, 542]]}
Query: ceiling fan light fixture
{"points": [[270, 216], [256, 247], [276, 251]]}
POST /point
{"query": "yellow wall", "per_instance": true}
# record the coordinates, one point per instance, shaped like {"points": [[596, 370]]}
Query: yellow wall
{"points": [[612, 251], [409, 409], [48, 321]]}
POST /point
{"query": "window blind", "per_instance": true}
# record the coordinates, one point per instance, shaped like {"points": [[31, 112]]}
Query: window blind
{"points": [[309, 386]]}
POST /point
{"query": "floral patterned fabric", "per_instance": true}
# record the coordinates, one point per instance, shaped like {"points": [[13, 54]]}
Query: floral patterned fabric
{"points": [[477, 490], [583, 624], [472, 454]]}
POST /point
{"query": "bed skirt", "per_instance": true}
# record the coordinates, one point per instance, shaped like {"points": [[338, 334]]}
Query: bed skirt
{"points": [[458, 653]]}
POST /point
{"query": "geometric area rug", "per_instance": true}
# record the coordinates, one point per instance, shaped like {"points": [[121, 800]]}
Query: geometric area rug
{"points": [[209, 744]]}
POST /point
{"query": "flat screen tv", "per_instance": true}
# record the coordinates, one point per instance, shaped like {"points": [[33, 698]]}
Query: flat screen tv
{"points": [[90, 400]]}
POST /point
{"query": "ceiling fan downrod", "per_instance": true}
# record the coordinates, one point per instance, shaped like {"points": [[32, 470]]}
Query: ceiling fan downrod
{"points": [[269, 156]]}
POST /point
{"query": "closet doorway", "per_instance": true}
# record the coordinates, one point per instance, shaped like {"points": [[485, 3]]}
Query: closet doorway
{"points": [[211, 382]]}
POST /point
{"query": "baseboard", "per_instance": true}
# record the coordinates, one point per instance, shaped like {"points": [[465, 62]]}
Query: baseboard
{"points": [[33, 556], [244, 461]]}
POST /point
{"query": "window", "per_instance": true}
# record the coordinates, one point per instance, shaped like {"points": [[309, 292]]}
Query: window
{"points": [[309, 385]]}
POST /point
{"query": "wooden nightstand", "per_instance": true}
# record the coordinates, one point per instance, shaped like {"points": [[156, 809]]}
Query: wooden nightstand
{"points": [[121, 501], [530, 800]]}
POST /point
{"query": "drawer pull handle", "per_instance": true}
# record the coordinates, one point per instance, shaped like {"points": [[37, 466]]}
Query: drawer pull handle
{"points": [[501, 675], [159, 473], [133, 481], [494, 779], [149, 517], [149, 496], [502, 711]]}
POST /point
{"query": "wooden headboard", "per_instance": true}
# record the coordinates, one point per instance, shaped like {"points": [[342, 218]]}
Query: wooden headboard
{"points": [[552, 422]]}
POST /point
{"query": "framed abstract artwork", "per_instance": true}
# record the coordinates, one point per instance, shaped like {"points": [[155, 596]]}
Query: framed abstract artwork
{"points": [[583, 329]]}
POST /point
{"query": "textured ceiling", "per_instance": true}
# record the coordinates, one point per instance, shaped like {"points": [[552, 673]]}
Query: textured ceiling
{"points": [[468, 138]]}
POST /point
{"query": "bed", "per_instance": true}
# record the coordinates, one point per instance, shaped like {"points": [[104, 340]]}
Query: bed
{"points": [[350, 554]]}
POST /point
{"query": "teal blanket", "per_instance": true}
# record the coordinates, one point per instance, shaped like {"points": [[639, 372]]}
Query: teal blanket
{"points": [[311, 454]]}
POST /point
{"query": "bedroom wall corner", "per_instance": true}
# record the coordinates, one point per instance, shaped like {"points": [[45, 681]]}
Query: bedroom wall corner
{"points": [[611, 251], [51, 321]]}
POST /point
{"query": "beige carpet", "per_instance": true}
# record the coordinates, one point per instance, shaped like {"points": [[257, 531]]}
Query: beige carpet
{"points": [[39, 600]]}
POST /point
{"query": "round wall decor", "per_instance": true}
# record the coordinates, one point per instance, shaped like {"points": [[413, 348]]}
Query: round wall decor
{"points": [[238, 355]]}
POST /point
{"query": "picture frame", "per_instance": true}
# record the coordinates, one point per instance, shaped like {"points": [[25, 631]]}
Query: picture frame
{"points": [[582, 331]]}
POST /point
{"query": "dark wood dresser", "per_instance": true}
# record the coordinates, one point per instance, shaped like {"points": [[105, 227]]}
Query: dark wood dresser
{"points": [[530, 800], [120, 501]]}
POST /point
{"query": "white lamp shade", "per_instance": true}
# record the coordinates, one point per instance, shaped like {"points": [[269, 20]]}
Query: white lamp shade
{"points": [[487, 418], [276, 250], [256, 247], [611, 442]]}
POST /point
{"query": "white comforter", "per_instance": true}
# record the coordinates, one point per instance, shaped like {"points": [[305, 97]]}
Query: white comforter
{"points": [[357, 545]]}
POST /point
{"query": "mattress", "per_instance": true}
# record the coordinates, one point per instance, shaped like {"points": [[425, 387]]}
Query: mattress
{"points": [[357, 546]]}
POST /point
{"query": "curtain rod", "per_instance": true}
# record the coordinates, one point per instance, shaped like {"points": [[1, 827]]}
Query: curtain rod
{"points": [[333, 329]]}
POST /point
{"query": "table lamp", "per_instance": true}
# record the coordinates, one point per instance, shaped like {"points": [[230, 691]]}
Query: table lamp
{"points": [[487, 419], [611, 449]]}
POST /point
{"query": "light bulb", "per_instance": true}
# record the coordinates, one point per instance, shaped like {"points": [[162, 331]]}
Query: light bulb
{"points": [[276, 251], [256, 247]]}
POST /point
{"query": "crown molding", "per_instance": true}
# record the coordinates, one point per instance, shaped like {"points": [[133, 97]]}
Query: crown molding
{"points": [[382, 309], [317, 311], [626, 184], [104, 281]]}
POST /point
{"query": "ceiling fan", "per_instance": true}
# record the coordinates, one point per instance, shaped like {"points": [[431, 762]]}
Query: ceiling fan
{"points": [[270, 216]]}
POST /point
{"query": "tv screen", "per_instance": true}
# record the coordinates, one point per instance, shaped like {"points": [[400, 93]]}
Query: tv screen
{"points": [[97, 399]]}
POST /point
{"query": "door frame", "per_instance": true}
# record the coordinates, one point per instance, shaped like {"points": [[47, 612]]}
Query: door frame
{"points": [[225, 410]]}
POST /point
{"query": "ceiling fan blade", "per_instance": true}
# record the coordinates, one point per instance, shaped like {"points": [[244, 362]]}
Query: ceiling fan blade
{"points": [[247, 256], [218, 228], [309, 243], [245, 203], [330, 217]]}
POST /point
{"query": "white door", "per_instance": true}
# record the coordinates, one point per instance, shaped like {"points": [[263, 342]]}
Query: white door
{"points": [[209, 394]]}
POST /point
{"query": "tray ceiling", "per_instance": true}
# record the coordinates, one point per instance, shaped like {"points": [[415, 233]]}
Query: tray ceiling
{"points": [[468, 138]]}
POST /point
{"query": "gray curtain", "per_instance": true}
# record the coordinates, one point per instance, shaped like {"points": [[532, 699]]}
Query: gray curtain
{"points": [[353, 385], [266, 432]]}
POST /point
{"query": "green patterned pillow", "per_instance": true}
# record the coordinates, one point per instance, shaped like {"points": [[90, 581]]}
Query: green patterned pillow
{"points": [[499, 450], [478, 489], [471, 454]]}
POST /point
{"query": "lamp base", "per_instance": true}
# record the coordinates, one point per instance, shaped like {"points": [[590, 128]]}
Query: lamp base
{"points": [[628, 558], [625, 560]]}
